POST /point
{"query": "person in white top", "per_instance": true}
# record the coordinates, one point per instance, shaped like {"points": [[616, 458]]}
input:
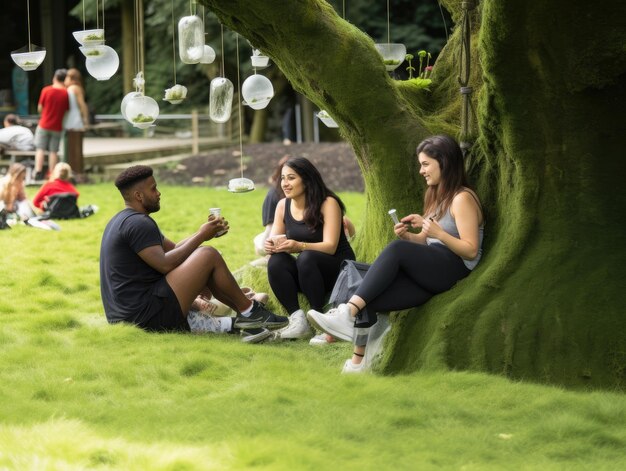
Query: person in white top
{"points": [[76, 119], [15, 136]]}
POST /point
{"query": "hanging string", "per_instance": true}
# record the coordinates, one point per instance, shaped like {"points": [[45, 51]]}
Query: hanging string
{"points": [[344, 9], [443, 17], [97, 15], [464, 76], [223, 68], [141, 45], [239, 108], [388, 33], [136, 45], [102, 14], [84, 15], [173, 42], [28, 19], [139, 61], [203, 24]]}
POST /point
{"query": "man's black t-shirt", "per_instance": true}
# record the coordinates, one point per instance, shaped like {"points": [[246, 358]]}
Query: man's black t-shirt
{"points": [[127, 283]]}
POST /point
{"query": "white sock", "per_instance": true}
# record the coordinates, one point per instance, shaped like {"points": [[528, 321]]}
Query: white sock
{"points": [[246, 312]]}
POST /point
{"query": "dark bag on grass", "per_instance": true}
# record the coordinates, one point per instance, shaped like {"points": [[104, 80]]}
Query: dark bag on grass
{"points": [[350, 276], [62, 206], [3, 219]]}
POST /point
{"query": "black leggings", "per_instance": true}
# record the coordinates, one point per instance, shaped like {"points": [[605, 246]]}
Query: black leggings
{"points": [[406, 275], [312, 272]]}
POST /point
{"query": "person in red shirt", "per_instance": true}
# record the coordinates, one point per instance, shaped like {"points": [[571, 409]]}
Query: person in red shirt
{"points": [[59, 183], [53, 103]]}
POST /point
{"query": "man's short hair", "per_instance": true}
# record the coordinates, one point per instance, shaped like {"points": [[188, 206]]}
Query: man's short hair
{"points": [[132, 175], [60, 74], [12, 119]]}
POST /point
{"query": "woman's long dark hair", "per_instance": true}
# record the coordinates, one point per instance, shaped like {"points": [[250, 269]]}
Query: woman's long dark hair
{"points": [[445, 150], [315, 191]]}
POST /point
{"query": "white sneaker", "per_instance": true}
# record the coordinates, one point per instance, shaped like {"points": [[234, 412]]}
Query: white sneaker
{"points": [[322, 339], [350, 368], [298, 327], [337, 322]]}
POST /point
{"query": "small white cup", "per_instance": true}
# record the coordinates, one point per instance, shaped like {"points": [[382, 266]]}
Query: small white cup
{"points": [[217, 212]]}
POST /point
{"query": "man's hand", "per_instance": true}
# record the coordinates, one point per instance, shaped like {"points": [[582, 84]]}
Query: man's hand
{"points": [[213, 226]]}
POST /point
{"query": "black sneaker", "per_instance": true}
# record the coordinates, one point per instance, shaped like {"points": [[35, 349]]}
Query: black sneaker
{"points": [[255, 335], [260, 317]]}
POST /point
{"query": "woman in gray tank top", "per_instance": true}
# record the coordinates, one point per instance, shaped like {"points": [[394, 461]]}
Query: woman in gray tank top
{"points": [[436, 249]]}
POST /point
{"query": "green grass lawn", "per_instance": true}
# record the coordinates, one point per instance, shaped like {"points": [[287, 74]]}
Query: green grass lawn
{"points": [[76, 393]]}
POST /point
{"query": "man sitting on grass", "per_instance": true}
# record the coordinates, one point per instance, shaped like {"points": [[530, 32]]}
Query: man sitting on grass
{"points": [[148, 280]]}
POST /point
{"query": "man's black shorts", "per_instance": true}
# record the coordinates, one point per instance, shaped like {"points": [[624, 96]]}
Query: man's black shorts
{"points": [[166, 314]]}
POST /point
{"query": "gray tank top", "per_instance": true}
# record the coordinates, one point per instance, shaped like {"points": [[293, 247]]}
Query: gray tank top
{"points": [[448, 224]]}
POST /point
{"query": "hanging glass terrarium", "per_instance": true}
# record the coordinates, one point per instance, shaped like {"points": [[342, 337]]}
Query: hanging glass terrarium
{"points": [[89, 37], [142, 111], [208, 56], [125, 101], [393, 54], [104, 65], [257, 91], [92, 51], [327, 119], [29, 57], [176, 94], [240, 185], [190, 39], [220, 99], [258, 59]]}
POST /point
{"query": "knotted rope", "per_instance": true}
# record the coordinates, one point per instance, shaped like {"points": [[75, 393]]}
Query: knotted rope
{"points": [[464, 76]]}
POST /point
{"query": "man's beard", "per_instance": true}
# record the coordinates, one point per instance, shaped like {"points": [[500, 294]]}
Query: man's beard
{"points": [[153, 207]]}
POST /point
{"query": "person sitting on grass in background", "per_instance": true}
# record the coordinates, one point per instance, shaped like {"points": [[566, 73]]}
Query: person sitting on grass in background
{"points": [[148, 280], [410, 271], [15, 136], [59, 183], [313, 244], [58, 197], [13, 193]]}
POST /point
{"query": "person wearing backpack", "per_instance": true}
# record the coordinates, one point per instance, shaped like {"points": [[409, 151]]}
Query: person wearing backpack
{"points": [[60, 182], [422, 264]]}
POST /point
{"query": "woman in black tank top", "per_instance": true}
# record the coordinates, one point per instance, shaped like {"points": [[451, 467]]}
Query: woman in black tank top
{"points": [[307, 243]]}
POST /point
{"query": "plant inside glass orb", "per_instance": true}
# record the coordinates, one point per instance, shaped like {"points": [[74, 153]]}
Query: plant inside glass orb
{"points": [[141, 118]]}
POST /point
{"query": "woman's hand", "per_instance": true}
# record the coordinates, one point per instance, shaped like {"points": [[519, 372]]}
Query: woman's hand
{"points": [[289, 246], [413, 220], [407, 222], [432, 229], [269, 247], [402, 230]]}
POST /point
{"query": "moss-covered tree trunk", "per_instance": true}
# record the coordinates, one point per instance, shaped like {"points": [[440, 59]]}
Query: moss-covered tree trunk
{"points": [[547, 302]]}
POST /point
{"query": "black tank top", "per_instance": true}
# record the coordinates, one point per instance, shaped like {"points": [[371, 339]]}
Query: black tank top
{"points": [[298, 230]]}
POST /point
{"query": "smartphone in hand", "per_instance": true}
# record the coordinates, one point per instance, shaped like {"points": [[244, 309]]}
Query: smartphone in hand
{"points": [[394, 216]]}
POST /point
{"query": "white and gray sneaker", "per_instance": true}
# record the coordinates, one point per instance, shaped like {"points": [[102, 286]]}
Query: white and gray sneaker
{"points": [[298, 327], [350, 368], [337, 322], [322, 339]]}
